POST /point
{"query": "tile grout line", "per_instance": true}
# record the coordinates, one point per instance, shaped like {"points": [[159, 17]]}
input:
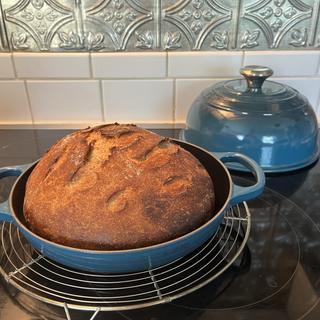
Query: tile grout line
{"points": [[102, 101], [318, 101], [14, 66], [298, 77], [174, 101], [115, 79], [318, 105], [242, 58], [57, 79], [167, 64], [318, 68], [308, 77], [9, 79], [29, 102], [25, 88], [90, 66], [190, 77]]}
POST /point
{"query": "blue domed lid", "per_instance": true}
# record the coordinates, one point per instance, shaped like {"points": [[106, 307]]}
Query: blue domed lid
{"points": [[253, 94], [270, 122]]}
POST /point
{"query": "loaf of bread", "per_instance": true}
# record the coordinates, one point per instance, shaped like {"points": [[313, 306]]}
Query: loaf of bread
{"points": [[116, 187]]}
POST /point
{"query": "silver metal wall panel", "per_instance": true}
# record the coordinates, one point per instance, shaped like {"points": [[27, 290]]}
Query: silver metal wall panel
{"points": [[142, 25], [4, 44]]}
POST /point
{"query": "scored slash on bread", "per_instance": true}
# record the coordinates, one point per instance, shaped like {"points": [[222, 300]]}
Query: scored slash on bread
{"points": [[115, 187]]}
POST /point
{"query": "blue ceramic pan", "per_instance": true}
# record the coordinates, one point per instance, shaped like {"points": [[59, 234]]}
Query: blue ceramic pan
{"points": [[227, 194]]}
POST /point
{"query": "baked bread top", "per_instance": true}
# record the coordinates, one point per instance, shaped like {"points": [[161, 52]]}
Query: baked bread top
{"points": [[115, 187]]}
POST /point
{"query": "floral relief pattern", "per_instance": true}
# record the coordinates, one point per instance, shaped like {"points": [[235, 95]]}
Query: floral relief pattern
{"points": [[172, 40], [119, 19], [299, 37], [196, 19], [135, 25], [220, 40], [118, 16], [144, 40], [276, 18], [88, 40], [38, 19], [198, 16], [250, 39], [19, 41]]}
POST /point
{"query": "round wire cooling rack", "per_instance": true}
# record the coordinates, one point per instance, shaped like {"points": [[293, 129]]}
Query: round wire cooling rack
{"points": [[37, 276]]}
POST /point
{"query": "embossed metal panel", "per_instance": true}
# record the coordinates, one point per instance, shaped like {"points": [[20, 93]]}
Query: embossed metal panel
{"points": [[4, 46], [139, 25], [278, 24], [196, 24]]}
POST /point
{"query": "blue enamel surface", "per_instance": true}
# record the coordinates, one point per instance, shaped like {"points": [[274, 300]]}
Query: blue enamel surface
{"points": [[114, 261], [279, 141], [126, 261], [240, 194], [109, 261], [5, 214], [136, 259]]}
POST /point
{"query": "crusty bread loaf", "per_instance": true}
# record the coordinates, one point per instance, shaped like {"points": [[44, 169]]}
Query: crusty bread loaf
{"points": [[117, 187]]}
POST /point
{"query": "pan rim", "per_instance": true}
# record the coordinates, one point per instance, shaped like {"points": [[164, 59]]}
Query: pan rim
{"points": [[134, 250]]}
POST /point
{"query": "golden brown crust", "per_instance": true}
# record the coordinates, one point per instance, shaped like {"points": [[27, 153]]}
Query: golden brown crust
{"points": [[117, 187]]}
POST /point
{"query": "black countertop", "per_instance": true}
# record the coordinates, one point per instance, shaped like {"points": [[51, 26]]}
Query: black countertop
{"points": [[293, 197]]}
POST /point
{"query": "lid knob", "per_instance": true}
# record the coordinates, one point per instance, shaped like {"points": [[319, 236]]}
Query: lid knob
{"points": [[255, 76]]}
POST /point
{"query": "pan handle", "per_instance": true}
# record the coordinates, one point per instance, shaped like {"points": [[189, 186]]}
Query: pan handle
{"points": [[5, 214], [240, 194]]}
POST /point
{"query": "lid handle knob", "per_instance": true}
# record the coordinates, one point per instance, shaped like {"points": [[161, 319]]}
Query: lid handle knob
{"points": [[255, 76]]}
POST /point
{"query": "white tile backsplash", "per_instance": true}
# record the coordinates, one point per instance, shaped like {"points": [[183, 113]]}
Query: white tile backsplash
{"points": [[14, 102], [6, 66], [52, 65], [138, 100], [144, 87], [186, 92], [308, 87], [286, 63], [65, 101], [129, 65], [204, 64]]}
